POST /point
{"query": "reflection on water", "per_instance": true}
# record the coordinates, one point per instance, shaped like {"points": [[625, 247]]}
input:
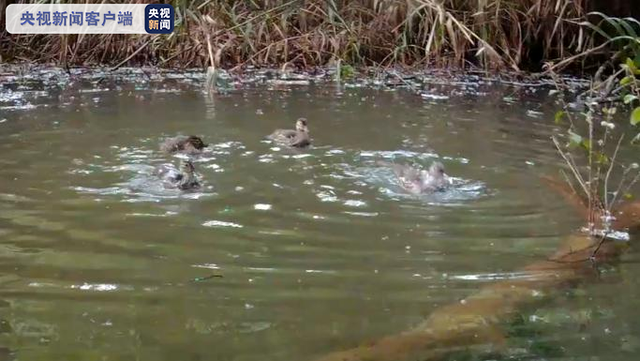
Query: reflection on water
{"points": [[319, 249]]}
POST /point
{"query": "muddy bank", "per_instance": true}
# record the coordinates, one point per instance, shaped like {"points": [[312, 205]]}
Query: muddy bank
{"points": [[26, 85]]}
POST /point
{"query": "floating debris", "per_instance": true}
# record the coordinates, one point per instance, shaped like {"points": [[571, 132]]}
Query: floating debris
{"points": [[215, 223], [290, 82], [262, 207], [534, 113], [434, 96]]}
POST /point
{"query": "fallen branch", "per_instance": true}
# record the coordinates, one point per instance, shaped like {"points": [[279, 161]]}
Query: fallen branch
{"points": [[476, 320]]}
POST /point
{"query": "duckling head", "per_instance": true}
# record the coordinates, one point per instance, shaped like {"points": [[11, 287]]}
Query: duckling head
{"points": [[301, 125], [433, 179], [196, 142], [187, 167], [187, 179], [437, 170]]}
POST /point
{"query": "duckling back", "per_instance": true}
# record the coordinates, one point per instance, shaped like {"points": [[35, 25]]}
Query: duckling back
{"points": [[174, 178], [418, 181], [188, 144], [435, 178], [297, 138]]}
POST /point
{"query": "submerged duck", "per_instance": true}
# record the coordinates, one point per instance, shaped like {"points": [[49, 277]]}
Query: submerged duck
{"points": [[188, 144], [420, 181], [183, 178], [298, 138]]}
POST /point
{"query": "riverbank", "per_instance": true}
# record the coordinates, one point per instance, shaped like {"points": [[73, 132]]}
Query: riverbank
{"points": [[22, 85], [497, 36]]}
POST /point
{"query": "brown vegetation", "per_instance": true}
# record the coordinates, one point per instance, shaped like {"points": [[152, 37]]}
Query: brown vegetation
{"points": [[494, 34]]}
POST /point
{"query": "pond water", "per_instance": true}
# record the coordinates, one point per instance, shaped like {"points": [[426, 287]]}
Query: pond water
{"points": [[318, 250]]}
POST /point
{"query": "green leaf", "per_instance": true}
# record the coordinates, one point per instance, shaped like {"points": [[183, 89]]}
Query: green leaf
{"points": [[629, 98], [574, 139], [597, 28], [631, 65], [628, 196], [560, 114], [602, 158], [635, 116], [346, 71], [628, 28], [636, 62], [626, 80], [586, 144]]}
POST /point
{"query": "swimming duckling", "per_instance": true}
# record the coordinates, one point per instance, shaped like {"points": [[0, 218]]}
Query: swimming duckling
{"points": [[420, 181], [187, 144], [183, 179], [298, 138]]}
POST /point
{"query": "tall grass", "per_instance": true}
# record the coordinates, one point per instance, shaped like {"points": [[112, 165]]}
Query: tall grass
{"points": [[494, 34]]}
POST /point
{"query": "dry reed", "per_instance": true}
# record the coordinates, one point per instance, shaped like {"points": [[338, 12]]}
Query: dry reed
{"points": [[494, 34]]}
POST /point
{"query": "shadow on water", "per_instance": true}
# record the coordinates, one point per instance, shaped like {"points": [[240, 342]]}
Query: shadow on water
{"points": [[97, 257]]}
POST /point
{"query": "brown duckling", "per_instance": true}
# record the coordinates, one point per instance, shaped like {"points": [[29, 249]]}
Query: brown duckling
{"points": [[420, 181], [183, 178], [298, 138], [187, 144]]}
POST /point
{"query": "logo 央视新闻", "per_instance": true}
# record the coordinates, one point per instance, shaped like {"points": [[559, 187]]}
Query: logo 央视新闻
{"points": [[159, 18]]}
